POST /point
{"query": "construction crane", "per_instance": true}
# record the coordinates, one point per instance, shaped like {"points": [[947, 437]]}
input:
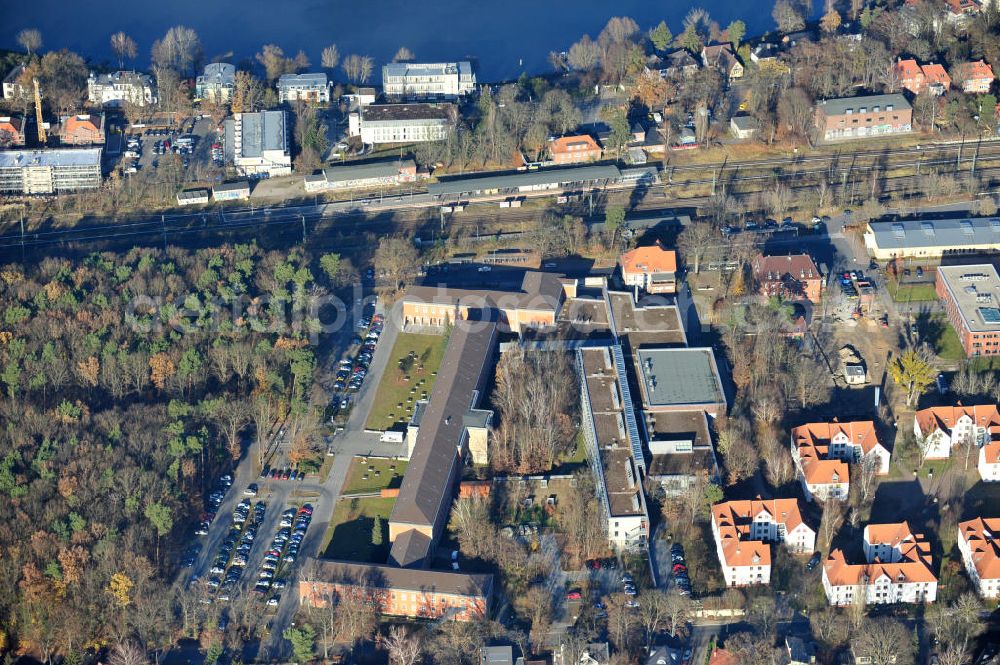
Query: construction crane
{"points": [[38, 114]]}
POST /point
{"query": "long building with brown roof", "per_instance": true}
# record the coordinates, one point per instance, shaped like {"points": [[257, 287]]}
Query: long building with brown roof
{"points": [[823, 451], [426, 594], [897, 569], [744, 531], [535, 303], [426, 493], [978, 542]]}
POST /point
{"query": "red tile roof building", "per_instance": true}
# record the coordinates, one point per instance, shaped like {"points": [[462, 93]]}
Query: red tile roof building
{"points": [[977, 541], [11, 132], [789, 277], [743, 531], [650, 268], [941, 428], [897, 569], [989, 463], [574, 149], [822, 452], [82, 130], [920, 78], [974, 77]]}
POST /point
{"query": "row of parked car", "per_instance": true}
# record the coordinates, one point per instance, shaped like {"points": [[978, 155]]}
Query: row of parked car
{"points": [[679, 569], [234, 553], [213, 502], [286, 473], [283, 552], [352, 373]]}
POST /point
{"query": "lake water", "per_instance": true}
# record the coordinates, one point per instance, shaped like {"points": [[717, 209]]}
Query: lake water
{"points": [[506, 37]]}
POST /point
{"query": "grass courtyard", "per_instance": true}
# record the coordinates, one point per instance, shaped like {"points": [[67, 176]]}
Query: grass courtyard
{"points": [[918, 292], [349, 537], [408, 377], [944, 339], [368, 475]]}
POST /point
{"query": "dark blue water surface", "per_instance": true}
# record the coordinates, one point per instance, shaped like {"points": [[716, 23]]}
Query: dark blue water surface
{"points": [[506, 37]]}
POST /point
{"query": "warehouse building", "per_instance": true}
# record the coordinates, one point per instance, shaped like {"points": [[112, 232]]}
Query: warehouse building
{"points": [[916, 238]]}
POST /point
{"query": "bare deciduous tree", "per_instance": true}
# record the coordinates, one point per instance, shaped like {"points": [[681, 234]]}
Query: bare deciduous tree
{"points": [[404, 647], [124, 47], [30, 39], [179, 49], [403, 55], [884, 641], [330, 57]]}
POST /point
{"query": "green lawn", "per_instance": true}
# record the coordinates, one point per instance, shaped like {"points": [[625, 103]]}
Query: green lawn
{"points": [[373, 475], [408, 377], [912, 292], [945, 340], [350, 534]]}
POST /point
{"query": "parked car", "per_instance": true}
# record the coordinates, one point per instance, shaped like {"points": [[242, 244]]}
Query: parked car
{"points": [[813, 561]]}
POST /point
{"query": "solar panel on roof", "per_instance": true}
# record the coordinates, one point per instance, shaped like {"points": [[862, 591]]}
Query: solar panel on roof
{"points": [[995, 225], [966, 227], [897, 231], [990, 314], [927, 228]]}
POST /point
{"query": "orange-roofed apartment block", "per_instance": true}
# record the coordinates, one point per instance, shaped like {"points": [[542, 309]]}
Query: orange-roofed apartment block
{"points": [[574, 149], [897, 569], [744, 531], [941, 428], [916, 78], [975, 77], [822, 452], [652, 269], [977, 541]]}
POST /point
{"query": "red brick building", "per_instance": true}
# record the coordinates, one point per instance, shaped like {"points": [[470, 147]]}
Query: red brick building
{"points": [[861, 117], [971, 297], [82, 130], [574, 149], [11, 132], [789, 277], [403, 592]]}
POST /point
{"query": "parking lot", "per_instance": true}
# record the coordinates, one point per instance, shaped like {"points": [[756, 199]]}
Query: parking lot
{"points": [[148, 148]]}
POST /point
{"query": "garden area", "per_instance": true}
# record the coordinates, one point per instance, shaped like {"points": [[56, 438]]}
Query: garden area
{"points": [[369, 475], [352, 535], [408, 377], [912, 292], [943, 338]]}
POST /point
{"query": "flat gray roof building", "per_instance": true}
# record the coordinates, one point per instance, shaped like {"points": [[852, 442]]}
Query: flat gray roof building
{"points": [[50, 171], [531, 180], [932, 238], [680, 379], [974, 292]]}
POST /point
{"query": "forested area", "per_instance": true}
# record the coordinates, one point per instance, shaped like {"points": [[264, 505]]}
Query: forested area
{"points": [[129, 381]]}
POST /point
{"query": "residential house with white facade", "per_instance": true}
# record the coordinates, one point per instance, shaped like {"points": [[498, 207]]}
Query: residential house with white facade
{"points": [[989, 463], [743, 533], [120, 88], [823, 451], [897, 569], [411, 80], [977, 541], [311, 87], [11, 86], [940, 428], [217, 82], [401, 123]]}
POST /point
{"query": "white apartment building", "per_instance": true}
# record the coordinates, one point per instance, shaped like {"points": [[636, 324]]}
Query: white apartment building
{"points": [[897, 569], [217, 82], [981, 554], [823, 451], [11, 87], [50, 171], [446, 80], [401, 123], [312, 88], [118, 88], [989, 463], [259, 144], [941, 428], [743, 533]]}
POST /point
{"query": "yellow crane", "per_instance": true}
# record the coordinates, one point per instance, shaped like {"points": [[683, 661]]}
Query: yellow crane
{"points": [[38, 113]]}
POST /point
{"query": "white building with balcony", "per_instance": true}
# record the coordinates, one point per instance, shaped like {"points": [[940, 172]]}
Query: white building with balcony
{"points": [[444, 80], [120, 88]]}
